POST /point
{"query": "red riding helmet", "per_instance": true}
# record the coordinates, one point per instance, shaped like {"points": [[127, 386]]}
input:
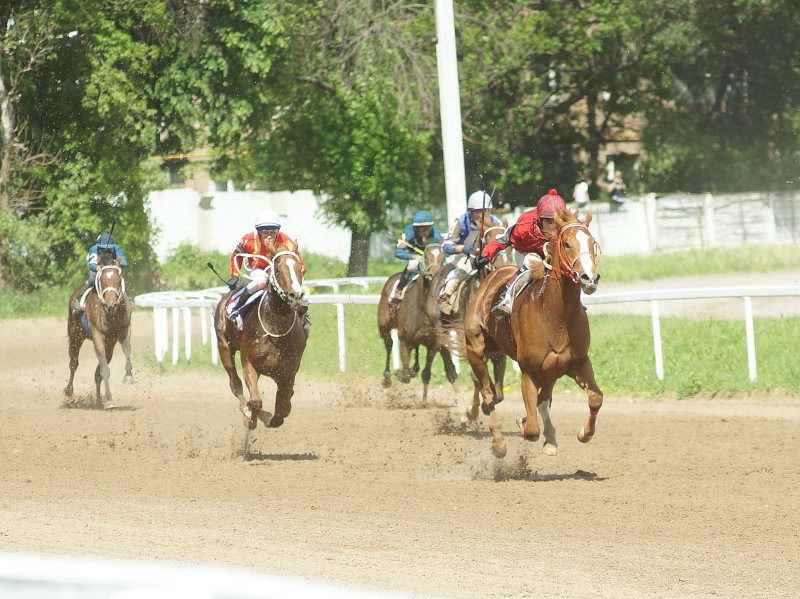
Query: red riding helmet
{"points": [[548, 204]]}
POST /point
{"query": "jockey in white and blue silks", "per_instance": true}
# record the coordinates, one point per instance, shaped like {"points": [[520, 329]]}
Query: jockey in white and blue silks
{"points": [[464, 239], [411, 247]]}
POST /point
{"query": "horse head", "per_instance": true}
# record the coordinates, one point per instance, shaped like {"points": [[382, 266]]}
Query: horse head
{"points": [[286, 275], [434, 257], [578, 252], [110, 285]]}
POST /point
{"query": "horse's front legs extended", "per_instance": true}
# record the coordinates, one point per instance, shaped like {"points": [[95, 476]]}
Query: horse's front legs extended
{"points": [[253, 405], [480, 376], [101, 375], [583, 373]]}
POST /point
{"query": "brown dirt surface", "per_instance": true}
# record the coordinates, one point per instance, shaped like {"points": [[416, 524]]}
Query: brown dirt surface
{"points": [[366, 487]]}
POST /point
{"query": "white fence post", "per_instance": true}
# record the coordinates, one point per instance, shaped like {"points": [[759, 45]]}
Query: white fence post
{"points": [[657, 347], [750, 338]]}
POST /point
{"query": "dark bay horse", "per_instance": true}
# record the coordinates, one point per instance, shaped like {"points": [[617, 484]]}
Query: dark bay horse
{"points": [[450, 327], [547, 333], [106, 320], [414, 325], [272, 340]]}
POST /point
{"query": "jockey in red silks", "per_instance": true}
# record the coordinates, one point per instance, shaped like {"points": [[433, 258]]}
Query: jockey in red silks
{"points": [[252, 258], [527, 236]]}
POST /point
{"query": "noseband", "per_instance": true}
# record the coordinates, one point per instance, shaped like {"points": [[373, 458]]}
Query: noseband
{"points": [[568, 268], [101, 290]]}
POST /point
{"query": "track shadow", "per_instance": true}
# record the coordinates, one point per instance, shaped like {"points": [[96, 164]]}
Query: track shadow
{"points": [[519, 469]]}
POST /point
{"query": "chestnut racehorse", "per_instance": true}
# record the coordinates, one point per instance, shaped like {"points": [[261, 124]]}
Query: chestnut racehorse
{"points": [[107, 317], [547, 333], [414, 325], [272, 340]]}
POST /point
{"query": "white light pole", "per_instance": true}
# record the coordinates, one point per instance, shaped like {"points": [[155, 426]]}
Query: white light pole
{"points": [[450, 110]]}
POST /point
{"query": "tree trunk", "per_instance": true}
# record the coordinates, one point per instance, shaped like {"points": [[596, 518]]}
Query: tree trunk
{"points": [[359, 254]]}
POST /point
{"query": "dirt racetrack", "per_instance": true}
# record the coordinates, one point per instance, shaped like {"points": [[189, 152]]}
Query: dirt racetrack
{"points": [[693, 498]]}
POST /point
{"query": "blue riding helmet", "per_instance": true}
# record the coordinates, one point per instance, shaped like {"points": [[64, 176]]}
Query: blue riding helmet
{"points": [[105, 241], [422, 218]]}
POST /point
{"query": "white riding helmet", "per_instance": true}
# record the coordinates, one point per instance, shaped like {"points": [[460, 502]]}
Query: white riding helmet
{"points": [[268, 219], [479, 200]]}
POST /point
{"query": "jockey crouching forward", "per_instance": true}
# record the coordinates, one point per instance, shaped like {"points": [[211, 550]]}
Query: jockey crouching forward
{"points": [[463, 238], [104, 252], [261, 242], [411, 247], [528, 236]]}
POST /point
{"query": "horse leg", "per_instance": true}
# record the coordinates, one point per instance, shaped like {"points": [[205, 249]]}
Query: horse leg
{"points": [[283, 401], [387, 373], [474, 410], [430, 354], [449, 366], [227, 357], [404, 374], [125, 342], [543, 405], [415, 367], [101, 374], [583, 373], [530, 424], [499, 370], [253, 405], [478, 361], [75, 342]]}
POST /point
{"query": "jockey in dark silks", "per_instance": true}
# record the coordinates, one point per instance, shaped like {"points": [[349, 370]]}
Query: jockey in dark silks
{"points": [[411, 247], [104, 252]]}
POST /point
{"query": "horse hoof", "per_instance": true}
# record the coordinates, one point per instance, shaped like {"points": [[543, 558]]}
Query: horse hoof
{"points": [[68, 391], [500, 450], [251, 423], [128, 380], [264, 417], [549, 449], [584, 437], [276, 421], [387, 382], [109, 405]]}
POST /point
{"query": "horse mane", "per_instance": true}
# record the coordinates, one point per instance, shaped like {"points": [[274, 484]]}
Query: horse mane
{"points": [[290, 245]]}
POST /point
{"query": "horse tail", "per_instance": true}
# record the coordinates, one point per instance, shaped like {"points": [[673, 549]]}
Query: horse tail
{"points": [[450, 336]]}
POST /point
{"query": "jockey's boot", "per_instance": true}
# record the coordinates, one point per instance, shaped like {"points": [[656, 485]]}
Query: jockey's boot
{"points": [[76, 303], [503, 307], [397, 293], [234, 309], [453, 281]]}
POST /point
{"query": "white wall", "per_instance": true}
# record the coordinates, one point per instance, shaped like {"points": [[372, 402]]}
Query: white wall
{"points": [[217, 222]]}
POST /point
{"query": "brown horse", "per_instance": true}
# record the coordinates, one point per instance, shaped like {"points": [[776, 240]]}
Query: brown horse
{"points": [[547, 333], [106, 320], [272, 340], [414, 326]]}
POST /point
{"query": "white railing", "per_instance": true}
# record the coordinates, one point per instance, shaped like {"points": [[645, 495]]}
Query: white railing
{"points": [[182, 303]]}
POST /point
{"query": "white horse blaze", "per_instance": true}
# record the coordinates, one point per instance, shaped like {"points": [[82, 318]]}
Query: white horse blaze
{"points": [[296, 286], [585, 256]]}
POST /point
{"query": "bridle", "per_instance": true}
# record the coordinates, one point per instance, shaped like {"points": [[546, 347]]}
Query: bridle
{"points": [[101, 290], [282, 293], [568, 268]]}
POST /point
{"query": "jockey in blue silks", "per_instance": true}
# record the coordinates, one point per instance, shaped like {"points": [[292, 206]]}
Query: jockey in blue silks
{"points": [[464, 239], [104, 252], [411, 247]]}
